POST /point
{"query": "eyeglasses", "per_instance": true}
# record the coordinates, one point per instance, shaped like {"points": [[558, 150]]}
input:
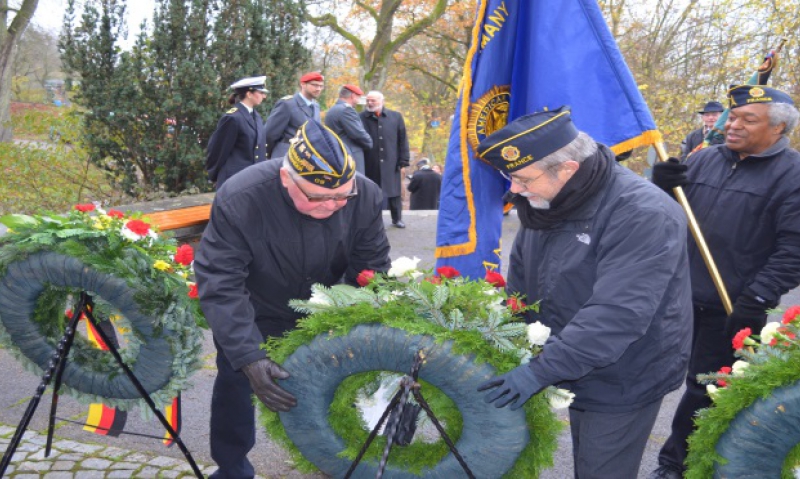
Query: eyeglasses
{"points": [[323, 198], [523, 182], [316, 85]]}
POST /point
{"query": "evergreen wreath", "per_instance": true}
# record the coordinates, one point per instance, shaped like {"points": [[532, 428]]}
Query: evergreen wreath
{"points": [[139, 282], [468, 331], [752, 428]]}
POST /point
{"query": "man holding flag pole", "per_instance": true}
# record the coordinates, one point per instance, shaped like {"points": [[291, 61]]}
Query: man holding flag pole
{"points": [[747, 198]]}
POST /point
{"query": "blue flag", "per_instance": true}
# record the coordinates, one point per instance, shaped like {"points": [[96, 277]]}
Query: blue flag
{"points": [[528, 56]]}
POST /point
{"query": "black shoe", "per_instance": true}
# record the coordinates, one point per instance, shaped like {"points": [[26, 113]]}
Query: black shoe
{"points": [[399, 224], [665, 472]]}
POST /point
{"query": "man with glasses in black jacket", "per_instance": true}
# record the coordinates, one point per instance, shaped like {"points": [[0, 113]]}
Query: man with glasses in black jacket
{"points": [[276, 229]]}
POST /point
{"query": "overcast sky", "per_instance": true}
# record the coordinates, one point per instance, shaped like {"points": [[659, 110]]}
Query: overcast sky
{"points": [[50, 15]]}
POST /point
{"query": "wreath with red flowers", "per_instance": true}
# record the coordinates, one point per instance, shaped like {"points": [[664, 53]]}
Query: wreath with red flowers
{"points": [[752, 428], [139, 281]]}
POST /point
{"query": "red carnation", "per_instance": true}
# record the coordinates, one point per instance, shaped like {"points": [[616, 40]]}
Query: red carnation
{"points": [[434, 279], [495, 279], [115, 213], [138, 226], [791, 314], [184, 255], [515, 304], [85, 208], [723, 370], [738, 340], [447, 271], [192, 291], [365, 277]]}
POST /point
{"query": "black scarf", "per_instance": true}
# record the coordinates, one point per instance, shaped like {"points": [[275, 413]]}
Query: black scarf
{"points": [[592, 175]]}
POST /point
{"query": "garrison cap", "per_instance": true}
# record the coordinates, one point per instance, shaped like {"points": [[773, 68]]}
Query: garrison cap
{"points": [[252, 84], [741, 95], [311, 76], [319, 156], [528, 139], [712, 107]]}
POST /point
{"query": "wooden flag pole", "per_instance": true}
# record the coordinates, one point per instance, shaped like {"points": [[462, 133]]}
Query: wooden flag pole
{"points": [[698, 237]]}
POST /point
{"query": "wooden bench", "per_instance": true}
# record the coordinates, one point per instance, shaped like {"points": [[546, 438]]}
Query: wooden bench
{"points": [[180, 218]]}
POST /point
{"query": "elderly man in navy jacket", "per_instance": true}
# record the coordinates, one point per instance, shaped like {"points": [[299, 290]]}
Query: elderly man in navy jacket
{"points": [[275, 230], [605, 252], [745, 195]]}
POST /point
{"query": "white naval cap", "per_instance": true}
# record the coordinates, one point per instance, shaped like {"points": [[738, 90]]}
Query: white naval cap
{"points": [[251, 83]]}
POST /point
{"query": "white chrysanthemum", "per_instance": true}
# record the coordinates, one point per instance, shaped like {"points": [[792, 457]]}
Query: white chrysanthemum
{"points": [[712, 391], [538, 333], [319, 298], [560, 398], [769, 331], [738, 367], [402, 266]]}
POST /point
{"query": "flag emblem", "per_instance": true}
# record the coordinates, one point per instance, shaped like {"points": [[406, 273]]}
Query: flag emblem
{"points": [[510, 153], [488, 114]]}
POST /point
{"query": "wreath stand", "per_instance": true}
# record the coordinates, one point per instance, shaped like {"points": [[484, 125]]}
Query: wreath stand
{"points": [[56, 367], [401, 411]]}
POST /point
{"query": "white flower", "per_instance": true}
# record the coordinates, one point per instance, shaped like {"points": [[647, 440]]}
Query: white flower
{"points": [[769, 331], [126, 233], [559, 398], [402, 266], [538, 333], [526, 357], [319, 299], [738, 367], [712, 391]]}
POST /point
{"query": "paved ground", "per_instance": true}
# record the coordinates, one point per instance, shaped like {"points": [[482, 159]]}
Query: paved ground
{"points": [[81, 455]]}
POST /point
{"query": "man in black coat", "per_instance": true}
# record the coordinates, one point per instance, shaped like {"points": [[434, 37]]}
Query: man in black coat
{"points": [[745, 195], [239, 140], [389, 154], [605, 252], [343, 119], [709, 114], [425, 187], [291, 111], [275, 230]]}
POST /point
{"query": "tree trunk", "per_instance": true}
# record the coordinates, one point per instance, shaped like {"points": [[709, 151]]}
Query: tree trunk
{"points": [[8, 44]]}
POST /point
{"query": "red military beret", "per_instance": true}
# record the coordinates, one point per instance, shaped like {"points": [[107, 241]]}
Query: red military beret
{"points": [[354, 89], [311, 76]]}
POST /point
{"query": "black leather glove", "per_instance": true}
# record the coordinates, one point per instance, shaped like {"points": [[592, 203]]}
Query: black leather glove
{"points": [[262, 375], [670, 174], [514, 387], [747, 313]]}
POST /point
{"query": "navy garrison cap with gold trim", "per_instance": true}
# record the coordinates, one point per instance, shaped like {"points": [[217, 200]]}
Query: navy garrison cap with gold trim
{"points": [[319, 156], [741, 95], [528, 139]]}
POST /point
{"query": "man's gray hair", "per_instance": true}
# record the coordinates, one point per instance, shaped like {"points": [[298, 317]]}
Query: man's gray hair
{"points": [[375, 93], [783, 113], [345, 92], [582, 147]]}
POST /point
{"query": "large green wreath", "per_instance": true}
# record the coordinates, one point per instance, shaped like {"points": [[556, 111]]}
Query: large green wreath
{"points": [[465, 319], [138, 281], [752, 428]]}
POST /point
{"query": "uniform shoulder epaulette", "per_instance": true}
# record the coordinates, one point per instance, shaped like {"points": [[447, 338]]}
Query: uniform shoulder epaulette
{"points": [[232, 110], [287, 97]]}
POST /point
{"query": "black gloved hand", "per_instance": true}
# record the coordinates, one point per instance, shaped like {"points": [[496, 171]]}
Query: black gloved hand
{"points": [[262, 375], [669, 174], [747, 313], [514, 387]]}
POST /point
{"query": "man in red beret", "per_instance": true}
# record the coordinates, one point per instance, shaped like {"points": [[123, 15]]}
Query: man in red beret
{"points": [[343, 119], [291, 111]]}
